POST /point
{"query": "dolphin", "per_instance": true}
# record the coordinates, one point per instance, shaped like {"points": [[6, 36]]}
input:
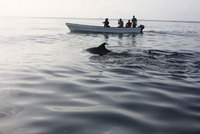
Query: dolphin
{"points": [[100, 50]]}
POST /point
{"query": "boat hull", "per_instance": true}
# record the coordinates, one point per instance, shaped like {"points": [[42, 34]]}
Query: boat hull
{"points": [[100, 29]]}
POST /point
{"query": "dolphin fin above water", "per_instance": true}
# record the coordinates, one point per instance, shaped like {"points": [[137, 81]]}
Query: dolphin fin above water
{"points": [[100, 50]]}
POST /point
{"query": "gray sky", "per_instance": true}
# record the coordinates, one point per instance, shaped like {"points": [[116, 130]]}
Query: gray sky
{"points": [[143, 9]]}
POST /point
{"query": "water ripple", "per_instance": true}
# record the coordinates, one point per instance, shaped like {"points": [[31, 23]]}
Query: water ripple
{"points": [[148, 84]]}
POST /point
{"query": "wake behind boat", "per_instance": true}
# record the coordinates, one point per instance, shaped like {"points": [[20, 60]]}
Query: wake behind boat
{"points": [[100, 29]]}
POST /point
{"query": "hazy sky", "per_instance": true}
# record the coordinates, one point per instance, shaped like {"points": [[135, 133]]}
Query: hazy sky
{"points": [[143, 9]]}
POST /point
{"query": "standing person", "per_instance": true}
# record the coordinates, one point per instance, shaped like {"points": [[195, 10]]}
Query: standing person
{"points": [[134, 22], [120, 23], [128, 24], [106, 23]]}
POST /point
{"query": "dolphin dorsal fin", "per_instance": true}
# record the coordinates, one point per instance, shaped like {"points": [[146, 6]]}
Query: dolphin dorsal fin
{"points": [[102, 46]]}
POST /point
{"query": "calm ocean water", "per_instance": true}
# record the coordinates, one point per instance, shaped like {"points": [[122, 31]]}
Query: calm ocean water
{"points": [[49, 84]]}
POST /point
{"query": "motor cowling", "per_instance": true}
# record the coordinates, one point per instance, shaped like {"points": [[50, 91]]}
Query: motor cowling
{"points": [[142, 27]]}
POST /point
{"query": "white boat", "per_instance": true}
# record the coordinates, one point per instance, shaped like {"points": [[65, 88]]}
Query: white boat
{"points": [[100, 29]]}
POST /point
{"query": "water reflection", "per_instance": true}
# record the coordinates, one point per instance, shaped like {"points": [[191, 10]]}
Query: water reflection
{"points": [[50, 85]]}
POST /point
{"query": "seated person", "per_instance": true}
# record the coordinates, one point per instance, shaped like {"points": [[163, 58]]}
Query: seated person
{"points": [[128, 24], [120, 23], [106, 23]]}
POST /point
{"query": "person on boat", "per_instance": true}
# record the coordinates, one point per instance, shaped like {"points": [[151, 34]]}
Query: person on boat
{"points": [[120, 23], [134, 22], [106, 23], [128, 24]]}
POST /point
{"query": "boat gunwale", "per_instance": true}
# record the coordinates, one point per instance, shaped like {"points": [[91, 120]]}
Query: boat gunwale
{"points": [[84, 25]]}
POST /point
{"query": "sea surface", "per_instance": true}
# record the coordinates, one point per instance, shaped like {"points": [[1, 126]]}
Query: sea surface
{"points": [[49, 84]]}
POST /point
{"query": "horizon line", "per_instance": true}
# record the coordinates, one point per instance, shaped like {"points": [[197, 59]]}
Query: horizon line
{"points": [[90, 18]]}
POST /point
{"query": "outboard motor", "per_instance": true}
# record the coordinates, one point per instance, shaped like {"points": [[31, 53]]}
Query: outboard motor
{"points": [[142, 27]]}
